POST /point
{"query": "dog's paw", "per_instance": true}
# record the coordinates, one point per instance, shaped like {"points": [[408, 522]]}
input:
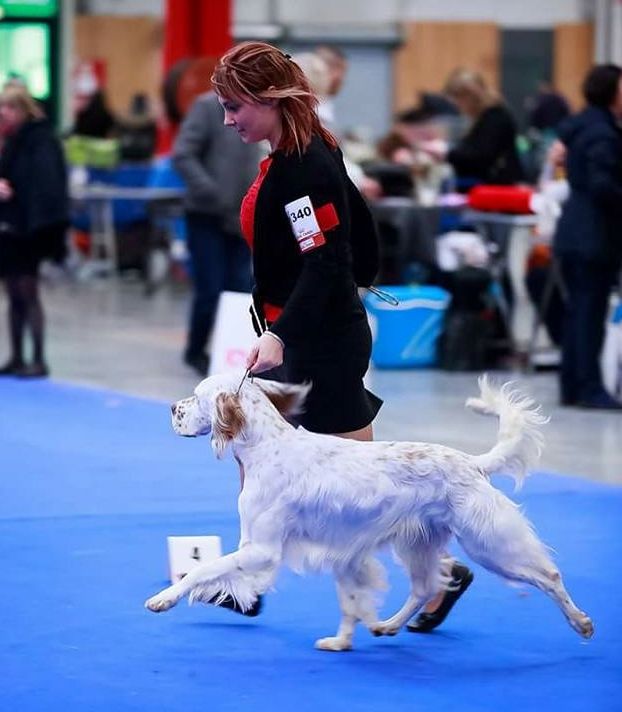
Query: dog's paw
{"points": [[335, 645], [383, 628], [583, 625], [160, 602]]}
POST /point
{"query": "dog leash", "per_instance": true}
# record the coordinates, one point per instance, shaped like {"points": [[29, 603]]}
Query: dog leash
{"points": [[385, 296], [247, 374]]}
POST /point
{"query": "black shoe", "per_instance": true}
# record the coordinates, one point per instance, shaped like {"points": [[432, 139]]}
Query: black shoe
{"points": [[230, 603], [199, 362], [11, 367], [567, 401], [33, 370], [461, 580], [602, 401]]}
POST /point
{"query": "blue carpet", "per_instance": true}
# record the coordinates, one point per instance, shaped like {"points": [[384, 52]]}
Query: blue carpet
{"points": [[92, 482]]}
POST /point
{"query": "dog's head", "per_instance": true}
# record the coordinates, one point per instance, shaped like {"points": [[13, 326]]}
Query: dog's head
{"points": [[221, 408]]}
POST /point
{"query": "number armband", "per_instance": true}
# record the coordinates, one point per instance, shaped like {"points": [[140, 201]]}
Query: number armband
{"points": [[304, 224]]}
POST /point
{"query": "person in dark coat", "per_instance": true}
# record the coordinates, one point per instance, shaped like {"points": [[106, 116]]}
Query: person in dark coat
{"points": [[34, 210], [547, 109], [95, 119], [487, 153], [588, 240]]}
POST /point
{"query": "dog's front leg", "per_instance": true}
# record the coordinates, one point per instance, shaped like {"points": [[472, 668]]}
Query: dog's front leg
{"points": [[247, 561]]}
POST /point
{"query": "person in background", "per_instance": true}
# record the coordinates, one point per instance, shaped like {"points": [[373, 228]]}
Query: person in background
{"points": [[93, 117], [34, 209], [588, 239], [547, 109], [137, 130], [487, 153], [325, 80], [336, 64], [217, 169]]}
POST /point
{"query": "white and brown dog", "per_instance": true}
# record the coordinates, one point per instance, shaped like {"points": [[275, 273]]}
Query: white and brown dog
{"points": [[319, 502]]}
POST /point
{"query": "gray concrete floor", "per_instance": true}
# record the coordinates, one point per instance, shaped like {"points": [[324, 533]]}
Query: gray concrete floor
{"points": [[106, 333]]}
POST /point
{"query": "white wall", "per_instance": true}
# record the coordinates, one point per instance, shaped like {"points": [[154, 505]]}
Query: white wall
{"points": [[507, 13], [126, 7]]}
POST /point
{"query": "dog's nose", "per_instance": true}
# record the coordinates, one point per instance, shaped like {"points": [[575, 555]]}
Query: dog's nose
{"points": [[174, 408]]}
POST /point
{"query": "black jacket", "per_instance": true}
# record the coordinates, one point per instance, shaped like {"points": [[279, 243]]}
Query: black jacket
{"points": [[591, 222], [32, 161], [488, 151], [317, 288]]}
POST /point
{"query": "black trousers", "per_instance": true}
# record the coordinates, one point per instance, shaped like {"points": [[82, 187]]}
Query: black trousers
{"points": [[588, 285], [220, 261]]}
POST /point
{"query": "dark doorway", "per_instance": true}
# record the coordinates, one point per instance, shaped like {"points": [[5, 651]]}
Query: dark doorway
{"points": [[526, 59]]}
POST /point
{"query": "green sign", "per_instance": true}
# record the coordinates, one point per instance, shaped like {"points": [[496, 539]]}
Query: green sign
{"points": [[25, 55], [28, 8]]}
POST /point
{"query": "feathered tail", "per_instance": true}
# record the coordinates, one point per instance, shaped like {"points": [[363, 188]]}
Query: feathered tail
{"points": [[520, 441]]}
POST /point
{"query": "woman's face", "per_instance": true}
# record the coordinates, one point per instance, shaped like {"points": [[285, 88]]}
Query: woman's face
{"points": [[11, 117], [254, 122]]}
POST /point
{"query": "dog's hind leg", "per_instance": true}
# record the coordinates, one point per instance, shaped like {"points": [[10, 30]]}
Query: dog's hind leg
{"points": [[422, 560], [504, 542], [356, 591]]}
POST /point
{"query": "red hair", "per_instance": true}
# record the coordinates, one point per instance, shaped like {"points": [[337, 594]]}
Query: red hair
{"points": [[253, 72]]}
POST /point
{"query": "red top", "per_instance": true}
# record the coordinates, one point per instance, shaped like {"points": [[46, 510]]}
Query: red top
{"points": [[247, 208]]}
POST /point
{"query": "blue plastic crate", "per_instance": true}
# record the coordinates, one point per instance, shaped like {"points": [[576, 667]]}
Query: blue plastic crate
{"points": [[406, 336]]}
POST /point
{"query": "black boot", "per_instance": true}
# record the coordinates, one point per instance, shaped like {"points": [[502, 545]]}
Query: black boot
{"points": [[461, 580], [37, 369], [11, 367]]}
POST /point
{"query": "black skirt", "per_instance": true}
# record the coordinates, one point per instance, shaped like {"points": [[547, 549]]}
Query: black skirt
{"points": [[335, 365], [21, 255]]}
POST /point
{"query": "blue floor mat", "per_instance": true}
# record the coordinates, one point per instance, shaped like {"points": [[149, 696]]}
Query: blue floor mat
{"points": [[91, 484]]}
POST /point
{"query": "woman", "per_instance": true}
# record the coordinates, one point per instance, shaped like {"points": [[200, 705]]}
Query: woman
{"points": [[487, 152], [299, 218], [33, 220], [588, 240], [313, 242]]}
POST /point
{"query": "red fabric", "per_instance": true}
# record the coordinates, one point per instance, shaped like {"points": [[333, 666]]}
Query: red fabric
{"points": [[501, 199], [192, 28], [272, 312], [247, 208], [195, 28], [327, 217]]}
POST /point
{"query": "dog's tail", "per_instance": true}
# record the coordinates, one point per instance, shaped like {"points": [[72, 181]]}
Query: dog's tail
{"points": [[520, 441]]}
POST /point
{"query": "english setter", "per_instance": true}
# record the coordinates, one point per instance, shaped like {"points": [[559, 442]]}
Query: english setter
{"points": [[320, 502]]}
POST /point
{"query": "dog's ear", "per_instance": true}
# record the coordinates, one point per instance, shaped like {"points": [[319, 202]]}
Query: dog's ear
{"points": [[229, 420], [287, 398]]}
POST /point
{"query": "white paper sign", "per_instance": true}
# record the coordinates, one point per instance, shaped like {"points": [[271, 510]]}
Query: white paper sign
{"points": [[233, 335], [186, 552], [302, 218]]}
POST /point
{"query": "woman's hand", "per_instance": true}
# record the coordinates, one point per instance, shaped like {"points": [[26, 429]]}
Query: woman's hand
{"points": [[6, 192], [436, 148], [267, 353], [557, 154]]}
